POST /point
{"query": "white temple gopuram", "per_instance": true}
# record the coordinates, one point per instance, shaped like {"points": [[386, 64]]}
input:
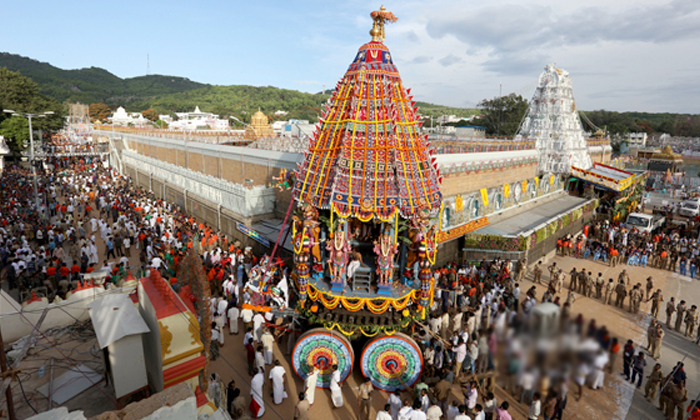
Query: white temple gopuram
{"points": [[555, 125]]}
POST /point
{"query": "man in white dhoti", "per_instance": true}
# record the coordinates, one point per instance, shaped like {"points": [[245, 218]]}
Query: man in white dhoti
{"points": [[258, 321], [267, 341], [310, 385], [278, 380], [94, 258], [259, 359], [599, 363], [220, 321], [233, 315], [221, 307], [396, 404], [336, 392], [257, 404]]}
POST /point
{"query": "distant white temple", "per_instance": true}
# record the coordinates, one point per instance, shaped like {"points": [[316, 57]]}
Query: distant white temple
{"points": [[555, 125], [196, 120], [123, 118]]}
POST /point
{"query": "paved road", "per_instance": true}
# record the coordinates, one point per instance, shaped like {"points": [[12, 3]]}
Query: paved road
{"points": [[619, 399], [676, 347]]}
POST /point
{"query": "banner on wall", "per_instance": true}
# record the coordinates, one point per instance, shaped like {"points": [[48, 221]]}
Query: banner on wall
{"points": [[485, 197], [525, 186], [506, 190], [456, 232], [551, 179], [459, 203], [537, 183], [253, 234]]}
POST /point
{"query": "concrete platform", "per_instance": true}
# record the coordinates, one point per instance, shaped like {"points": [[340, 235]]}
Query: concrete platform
{"points": [[525, 222]]}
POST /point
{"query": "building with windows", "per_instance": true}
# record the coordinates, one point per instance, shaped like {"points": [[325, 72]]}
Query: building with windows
{"points": [[198, 120]]}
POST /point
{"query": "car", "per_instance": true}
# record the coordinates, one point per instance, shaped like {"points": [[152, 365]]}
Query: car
{"points": [[690, 208]]}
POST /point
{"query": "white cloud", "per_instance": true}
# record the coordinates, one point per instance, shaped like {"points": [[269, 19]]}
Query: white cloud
{"points": [[449, 60]]}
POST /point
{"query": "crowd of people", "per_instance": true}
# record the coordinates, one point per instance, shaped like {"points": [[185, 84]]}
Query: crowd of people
{"points": [[88, 218], [672, 248]]}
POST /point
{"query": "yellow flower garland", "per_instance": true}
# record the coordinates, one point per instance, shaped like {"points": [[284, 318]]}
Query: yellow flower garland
{"points": [[354, 304]]}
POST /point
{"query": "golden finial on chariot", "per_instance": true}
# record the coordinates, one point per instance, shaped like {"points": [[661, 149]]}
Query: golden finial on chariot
{"points": [[380, 17]]}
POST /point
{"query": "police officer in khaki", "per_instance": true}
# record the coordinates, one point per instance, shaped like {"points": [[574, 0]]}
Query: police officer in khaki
{"points": [[621, 292], [680, 315], [537, 273], [670, 309], [652, 386], [691, 320], [609, 288], [574, 279]]}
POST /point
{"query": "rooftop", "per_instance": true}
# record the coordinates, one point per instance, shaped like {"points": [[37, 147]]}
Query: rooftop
{"points": [[523, 223]]}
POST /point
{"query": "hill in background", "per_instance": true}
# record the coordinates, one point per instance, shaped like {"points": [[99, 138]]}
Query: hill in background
{"points": [[94, 84], [170, 94]]}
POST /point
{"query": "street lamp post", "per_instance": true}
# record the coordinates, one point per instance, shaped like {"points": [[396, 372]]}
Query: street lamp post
{"points": [[31, 148]]}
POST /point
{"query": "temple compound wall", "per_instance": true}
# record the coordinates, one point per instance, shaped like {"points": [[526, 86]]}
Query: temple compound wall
{"points": [[475, 186]]}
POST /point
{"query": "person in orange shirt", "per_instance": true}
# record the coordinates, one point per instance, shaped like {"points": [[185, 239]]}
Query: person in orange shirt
{"points": [[90, 269], [51, 270], [75, 269], [65, 271], [664, 260], [614, 254]]}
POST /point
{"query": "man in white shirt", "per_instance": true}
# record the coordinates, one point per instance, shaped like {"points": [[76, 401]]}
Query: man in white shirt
{"points": [[452, 410], [258, 321], [417, 413], [434, 411], [277, 382], [267, 341], [259, 359], [384, 414], [405, 411], [535, 406], [460, 354], [470, 396], [233, 314], [247, 317], [156, 263], [462, 413]]}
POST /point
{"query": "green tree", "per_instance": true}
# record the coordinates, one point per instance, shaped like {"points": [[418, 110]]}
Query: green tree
{"points": [[21, 94], [16, 130], [502, 115], [150, 114], [100, 111]]}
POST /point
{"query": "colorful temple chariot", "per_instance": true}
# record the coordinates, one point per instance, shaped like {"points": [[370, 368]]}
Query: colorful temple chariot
{"points": [[365, 229]]}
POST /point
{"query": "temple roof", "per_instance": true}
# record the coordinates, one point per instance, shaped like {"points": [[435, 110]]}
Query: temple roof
{"points": [[367, 157]]}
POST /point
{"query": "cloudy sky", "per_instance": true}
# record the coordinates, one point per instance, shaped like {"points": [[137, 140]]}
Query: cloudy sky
{"points": [[624, 55]]}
